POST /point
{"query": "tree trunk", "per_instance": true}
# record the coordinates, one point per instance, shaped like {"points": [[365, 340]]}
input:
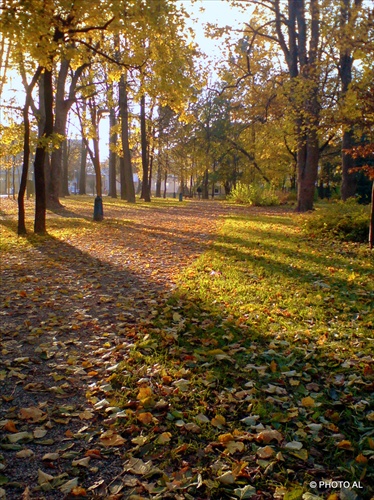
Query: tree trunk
{"points": [[40, 194], [65, 168], [83, 166], [143, 132], [112, 154], [205, 193], [159, 180], [348, 17], [371, 230], [26, 154], [127, 180], [307, 172]]}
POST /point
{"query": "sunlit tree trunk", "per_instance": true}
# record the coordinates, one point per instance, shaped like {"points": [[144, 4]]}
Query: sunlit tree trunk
{"points": [[126, 175], [83, 166], [113, 137], [145, 166]]}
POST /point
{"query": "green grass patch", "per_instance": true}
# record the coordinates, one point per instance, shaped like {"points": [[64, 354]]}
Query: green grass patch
{"points": [[274, 332]]}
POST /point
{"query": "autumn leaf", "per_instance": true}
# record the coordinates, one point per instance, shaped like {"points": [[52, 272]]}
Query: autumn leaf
{"points": [[10, 426], [265, 452], [308, 402], [34, 414], [111, 438], [269, 435], [145, 417], [164, 438], [218, 421]]}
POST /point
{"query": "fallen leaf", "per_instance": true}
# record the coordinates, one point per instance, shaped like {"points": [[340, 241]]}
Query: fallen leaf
{"points": [[227, 478], [69, 485], [218, 421], [164, 438], [308, 402], [10, 426], [145, 417], [111, 438], [25, 453], [43, 477], [34, 414], [265, 452], [268, 435]]}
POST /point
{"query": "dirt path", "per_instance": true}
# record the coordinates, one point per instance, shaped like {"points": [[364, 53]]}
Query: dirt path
{"points": [[71, 310]]}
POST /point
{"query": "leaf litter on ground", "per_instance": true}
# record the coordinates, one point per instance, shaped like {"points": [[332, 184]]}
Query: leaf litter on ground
{"points": [[120, 382]]}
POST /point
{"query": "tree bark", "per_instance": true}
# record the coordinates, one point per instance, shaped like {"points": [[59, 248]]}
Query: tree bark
{"points": [[143, 133], [126, 175], [26, 153], [62, 107], [113, 137], [40, 193], [83, 166]]}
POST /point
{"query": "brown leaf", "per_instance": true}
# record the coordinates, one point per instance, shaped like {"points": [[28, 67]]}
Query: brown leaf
{"points": [[34, 414], [10, 426], [265, 452], [268, 435], [111, 438]]}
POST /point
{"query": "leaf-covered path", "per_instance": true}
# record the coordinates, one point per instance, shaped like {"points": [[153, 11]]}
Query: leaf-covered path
{"points": [[73, 306]]}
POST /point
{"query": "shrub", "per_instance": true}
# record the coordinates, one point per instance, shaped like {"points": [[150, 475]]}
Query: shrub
{"points": [[254, 195], [345, 221]]}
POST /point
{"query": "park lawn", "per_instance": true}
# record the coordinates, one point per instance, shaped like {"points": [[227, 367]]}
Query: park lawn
{"points": [[252, 378], [265, 355]]}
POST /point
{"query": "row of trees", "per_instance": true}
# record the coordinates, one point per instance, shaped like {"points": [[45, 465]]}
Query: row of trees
{"points": [[290, 104]]}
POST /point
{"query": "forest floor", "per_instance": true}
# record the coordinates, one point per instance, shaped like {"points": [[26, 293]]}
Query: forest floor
{"points": [[193, 350]]}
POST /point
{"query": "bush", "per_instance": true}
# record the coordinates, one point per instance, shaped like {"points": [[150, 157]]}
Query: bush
{"points": [[345, 221], [254, 195]]}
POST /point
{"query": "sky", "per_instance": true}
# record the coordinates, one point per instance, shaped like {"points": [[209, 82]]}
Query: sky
{"points": [[218, 12]]}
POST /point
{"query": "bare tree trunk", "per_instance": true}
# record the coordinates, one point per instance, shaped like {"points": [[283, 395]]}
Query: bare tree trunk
{"points": [[113, 137], [127, 180], [205, 193], [159, 180], [143, 132], [65, 168], [371, 230], [26, 154], [40, 193], [83, 166]]}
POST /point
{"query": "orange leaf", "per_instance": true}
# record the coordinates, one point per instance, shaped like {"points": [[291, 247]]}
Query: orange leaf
{"points": [[10, 426], [78, 492], [345, 445], [69, 434], [93, 454], [361, 459], [225, 438], [145, 417], [144, 393]]}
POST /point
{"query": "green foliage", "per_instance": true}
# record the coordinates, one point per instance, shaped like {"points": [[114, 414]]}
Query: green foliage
{"points": [[345, 221], [254, 195]]}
